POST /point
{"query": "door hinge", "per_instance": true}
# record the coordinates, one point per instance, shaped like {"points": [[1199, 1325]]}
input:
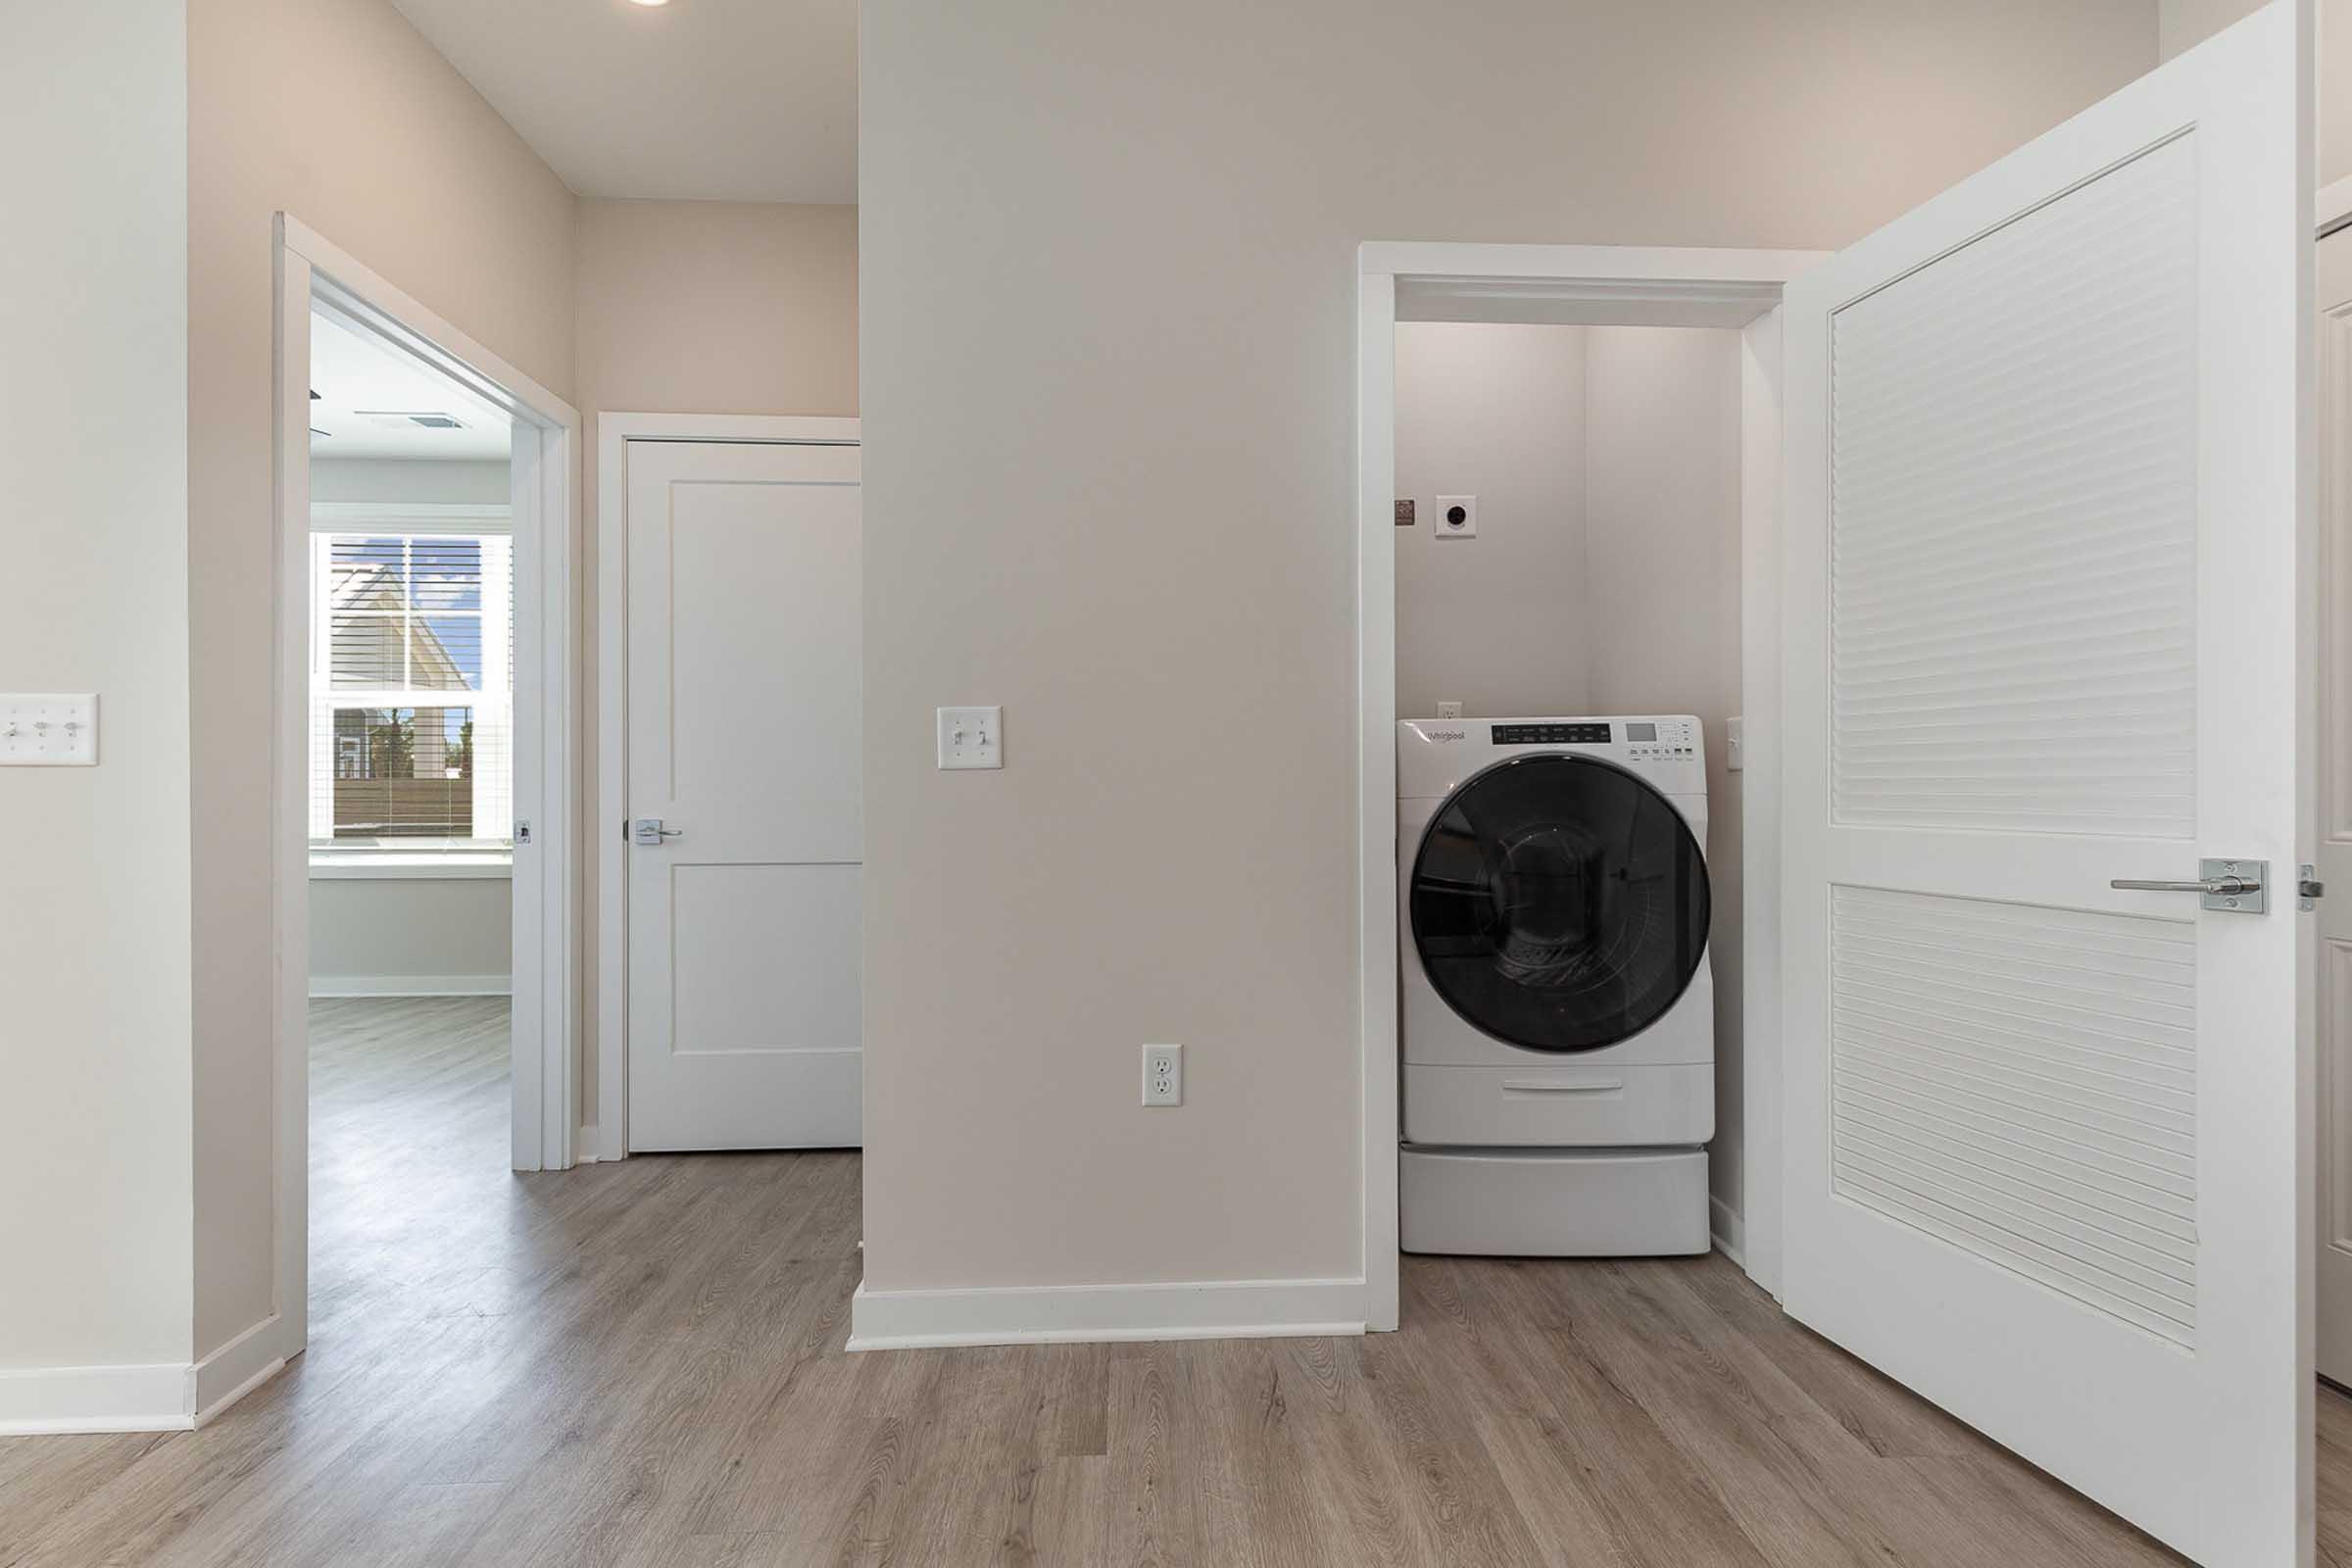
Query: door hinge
{"points": [[2308, 889]]}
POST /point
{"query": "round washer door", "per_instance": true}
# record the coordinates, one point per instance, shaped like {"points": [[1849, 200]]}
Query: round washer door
{"points": [[1560, 902]]}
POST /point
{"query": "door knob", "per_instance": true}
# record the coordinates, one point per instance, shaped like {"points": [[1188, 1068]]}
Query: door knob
{"points": [[648, 831], [2235, 886]]}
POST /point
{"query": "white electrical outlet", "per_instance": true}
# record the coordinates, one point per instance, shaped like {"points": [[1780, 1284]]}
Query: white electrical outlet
{"points": [[1457, 517], [50, 730], [971, 737], [1450, 709], [1163, 1075]]}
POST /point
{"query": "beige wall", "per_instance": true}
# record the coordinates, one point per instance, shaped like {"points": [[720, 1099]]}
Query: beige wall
{"points": [[1497, 623], [473, 481], [94, 915], [1107, 367], [388, 934], [699, 308], [337, 111]]}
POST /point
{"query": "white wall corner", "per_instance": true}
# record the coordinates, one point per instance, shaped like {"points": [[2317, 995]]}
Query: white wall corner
{"points": [[156, 1398], [240, 1366], [1729, 1233], [1207, 1309]]}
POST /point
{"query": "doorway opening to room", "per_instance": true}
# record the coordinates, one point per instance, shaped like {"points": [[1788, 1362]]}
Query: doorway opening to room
{"points": [[424, 914], [411, 807]]}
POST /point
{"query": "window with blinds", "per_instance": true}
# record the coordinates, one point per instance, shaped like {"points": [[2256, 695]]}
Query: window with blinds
{"points": [[412, 691]]}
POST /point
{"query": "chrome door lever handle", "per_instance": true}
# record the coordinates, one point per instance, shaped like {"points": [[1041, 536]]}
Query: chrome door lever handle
{"points": [[649, 832], [2232, 885]]}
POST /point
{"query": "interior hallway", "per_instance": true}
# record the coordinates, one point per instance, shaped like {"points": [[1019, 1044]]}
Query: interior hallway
{"points": [[642, 1364]]}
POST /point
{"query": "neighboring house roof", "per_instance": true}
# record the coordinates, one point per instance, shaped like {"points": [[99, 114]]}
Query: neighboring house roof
{"points": [[375, 587]]}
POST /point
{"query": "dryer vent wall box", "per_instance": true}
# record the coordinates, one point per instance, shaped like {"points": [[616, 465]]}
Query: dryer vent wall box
{"points": [[49, 730], [1457, 517]]}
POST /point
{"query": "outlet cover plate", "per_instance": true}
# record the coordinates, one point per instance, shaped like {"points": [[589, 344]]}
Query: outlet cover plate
{"points": [[49, 729], [1444, 524], [1163, 1075], [971, 737]]}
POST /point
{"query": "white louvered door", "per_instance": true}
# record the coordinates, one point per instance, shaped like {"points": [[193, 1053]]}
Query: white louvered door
{"points": [[2046, 1142]]}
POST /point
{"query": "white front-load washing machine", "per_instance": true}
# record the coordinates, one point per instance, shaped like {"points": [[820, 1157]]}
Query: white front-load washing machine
{"points": [[1557, 1016]]}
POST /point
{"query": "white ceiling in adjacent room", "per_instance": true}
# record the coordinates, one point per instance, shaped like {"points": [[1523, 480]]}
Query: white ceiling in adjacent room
{"points": [[712, 100], [371, 402]]}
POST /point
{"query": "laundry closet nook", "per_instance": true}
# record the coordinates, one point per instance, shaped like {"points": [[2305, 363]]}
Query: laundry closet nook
{"points": [[1568, 583]]}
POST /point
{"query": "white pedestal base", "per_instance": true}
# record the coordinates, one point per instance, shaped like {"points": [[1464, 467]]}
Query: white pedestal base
{"points": [[1602, 1202]]}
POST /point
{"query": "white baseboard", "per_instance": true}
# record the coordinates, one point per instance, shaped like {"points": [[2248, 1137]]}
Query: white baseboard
{"points": [[412, 985], [1731, 1231], [240, 1366], [1209, 1309], [158, 1398]]}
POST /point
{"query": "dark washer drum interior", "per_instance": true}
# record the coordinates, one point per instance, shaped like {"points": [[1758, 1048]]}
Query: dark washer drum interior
{"points": [[1560, 902]]}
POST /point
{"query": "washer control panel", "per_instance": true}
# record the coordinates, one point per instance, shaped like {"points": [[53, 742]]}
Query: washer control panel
{"points": [[1667, 751], [1660, 739], [1585, 733]]}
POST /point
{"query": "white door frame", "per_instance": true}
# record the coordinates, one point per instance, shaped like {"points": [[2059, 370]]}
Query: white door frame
{"points": [[1589, 285], [544, 512], [613, 433], [2333, 208]]}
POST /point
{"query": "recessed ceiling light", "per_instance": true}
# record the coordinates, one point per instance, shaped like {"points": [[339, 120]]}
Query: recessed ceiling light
{"points": [[649, 3]]}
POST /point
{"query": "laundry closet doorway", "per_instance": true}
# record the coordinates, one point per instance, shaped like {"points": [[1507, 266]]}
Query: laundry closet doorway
{"points": [[1608, 289], [2027, 691]]}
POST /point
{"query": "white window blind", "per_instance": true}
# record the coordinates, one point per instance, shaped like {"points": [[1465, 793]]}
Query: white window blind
{"points": [[412, 690]]}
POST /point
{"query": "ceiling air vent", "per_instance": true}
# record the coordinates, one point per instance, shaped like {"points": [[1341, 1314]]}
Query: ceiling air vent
{"points": [[431, 419]]}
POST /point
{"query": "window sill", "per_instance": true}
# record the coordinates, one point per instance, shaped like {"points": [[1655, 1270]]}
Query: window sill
{"points": [[381, 865]]}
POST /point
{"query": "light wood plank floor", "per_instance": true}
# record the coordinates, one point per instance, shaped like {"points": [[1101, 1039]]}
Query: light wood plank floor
{"points": [[642, 1364]]}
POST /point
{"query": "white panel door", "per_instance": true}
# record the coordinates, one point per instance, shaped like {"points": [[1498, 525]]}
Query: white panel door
{"points": [[744, 806], [2335, 806], [2047, 1141]]}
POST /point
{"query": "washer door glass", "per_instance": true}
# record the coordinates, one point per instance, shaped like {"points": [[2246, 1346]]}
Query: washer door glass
{"points": [[1560, 902]]}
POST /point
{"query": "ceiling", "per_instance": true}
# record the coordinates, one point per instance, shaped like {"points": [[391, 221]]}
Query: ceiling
{"points": [[362, 389], [708, 100]]}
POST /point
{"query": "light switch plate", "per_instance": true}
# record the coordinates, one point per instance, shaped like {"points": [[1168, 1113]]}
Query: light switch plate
{"points": [[1456, 518], [49, 729], [1735, 744], [971, 737]]}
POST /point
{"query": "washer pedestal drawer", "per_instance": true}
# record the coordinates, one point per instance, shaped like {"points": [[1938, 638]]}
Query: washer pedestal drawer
{"points": [[1541, 1106], [1646, 1202]]}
